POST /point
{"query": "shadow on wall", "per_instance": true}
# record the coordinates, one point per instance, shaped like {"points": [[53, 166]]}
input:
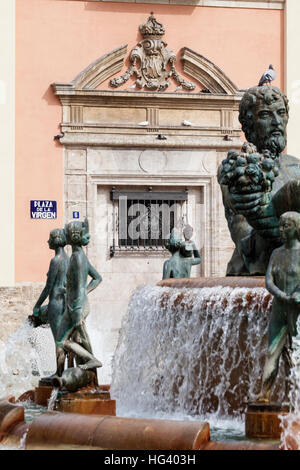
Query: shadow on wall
{"points": [[52, 100], [50, 97]]}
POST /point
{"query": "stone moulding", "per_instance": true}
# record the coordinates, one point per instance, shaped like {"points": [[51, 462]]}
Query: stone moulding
{"points": [[99, 70], [86, 119], [207, 73], [265, 4]]}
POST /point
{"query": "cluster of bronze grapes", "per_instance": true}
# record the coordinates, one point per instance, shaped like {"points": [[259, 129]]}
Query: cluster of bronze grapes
{"points": [[248, 171]]}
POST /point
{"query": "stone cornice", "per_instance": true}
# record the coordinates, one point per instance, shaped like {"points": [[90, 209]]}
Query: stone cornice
{"points": [[68, 95], [77, 139], [266, 4]]}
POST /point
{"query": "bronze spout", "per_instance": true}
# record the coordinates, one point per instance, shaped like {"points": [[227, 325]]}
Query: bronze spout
{"points": [[74, 378], [57, 382]]}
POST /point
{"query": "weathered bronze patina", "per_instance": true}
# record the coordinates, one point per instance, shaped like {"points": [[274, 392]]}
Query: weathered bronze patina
{"points": [[54, 289], [184, 254], [283, 281], [68, 305], [71, 333], [73, 378], [260, 183]]}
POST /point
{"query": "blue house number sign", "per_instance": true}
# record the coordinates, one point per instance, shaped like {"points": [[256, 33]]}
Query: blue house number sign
{"points": [[43, 209]]}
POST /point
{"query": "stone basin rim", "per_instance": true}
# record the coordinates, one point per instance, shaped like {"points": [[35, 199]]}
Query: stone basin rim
{"points": [[201, 282]]}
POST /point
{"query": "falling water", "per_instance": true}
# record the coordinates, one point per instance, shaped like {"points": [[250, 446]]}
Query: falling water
{"points": [[191, 352], [27, 355], [22, 444], [52, 399]]}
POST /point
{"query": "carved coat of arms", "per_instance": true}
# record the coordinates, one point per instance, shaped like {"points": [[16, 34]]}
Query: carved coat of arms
{"points": [[156, 63]]}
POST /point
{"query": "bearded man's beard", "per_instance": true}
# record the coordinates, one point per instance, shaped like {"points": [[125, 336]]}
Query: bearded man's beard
{"points": [[275, 144]]}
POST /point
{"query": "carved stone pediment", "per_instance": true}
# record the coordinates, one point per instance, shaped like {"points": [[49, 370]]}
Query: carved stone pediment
{"points": [[151, 61], [211, 77], [97, 72], [153, 64]]}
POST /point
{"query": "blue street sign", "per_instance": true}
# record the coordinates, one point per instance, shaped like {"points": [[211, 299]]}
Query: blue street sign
{"points": [[76, 215], [43, 209]]}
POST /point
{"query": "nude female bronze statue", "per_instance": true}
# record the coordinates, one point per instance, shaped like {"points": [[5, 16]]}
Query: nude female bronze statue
{"points": [[54, 289], [71, 334], [283, 281], [68, 308]]}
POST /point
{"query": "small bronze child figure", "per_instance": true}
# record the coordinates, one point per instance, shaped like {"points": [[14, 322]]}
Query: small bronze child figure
{"points": [[184, 254], [283, 281]]}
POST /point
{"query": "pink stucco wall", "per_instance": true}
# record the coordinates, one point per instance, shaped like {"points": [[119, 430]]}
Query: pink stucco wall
{"points": [[56, 39]]}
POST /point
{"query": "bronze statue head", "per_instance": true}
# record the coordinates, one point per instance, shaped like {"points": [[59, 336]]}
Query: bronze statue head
{"points": [[57, 238], [289, 226], [174, 242], [264, 113], [77, 232]]}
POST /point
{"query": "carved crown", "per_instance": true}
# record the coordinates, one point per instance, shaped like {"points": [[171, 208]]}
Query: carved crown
{"points": [[152, 28]]}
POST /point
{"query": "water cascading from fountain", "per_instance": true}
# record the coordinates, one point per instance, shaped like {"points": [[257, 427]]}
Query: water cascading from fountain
{"points": [[52, 399], [191, 352], [28, 355]]}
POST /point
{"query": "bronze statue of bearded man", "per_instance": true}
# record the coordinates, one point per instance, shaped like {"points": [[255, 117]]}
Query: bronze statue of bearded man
{"points": [[260, 183]]}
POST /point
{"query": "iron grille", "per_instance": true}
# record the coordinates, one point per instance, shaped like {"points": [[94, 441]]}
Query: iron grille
{"points": [[143, 220]]}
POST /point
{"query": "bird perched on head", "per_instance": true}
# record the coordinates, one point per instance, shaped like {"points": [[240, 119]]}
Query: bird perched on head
{"points": [[268, 76]]}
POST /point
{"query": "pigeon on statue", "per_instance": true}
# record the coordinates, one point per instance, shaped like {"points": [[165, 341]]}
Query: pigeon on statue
{"points": [[268, 76]]}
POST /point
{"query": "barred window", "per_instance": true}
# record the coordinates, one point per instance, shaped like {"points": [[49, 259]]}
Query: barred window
{"points": [[143, 220]]}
